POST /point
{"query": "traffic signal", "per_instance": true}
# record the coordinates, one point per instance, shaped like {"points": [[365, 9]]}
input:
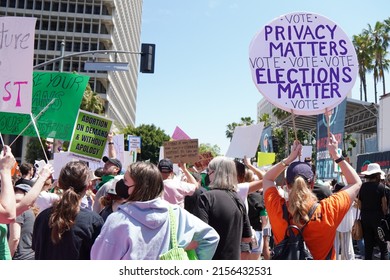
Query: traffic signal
{"points": [[147, 58]]}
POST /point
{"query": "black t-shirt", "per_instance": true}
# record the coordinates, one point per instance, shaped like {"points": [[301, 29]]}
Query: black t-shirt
{"points": [[370, 195], [75, 244], [191, 200], [255, 206], [218, 209]]}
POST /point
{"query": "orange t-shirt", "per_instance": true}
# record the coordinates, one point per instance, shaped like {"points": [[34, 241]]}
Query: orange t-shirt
{"points": [[320, 232]]}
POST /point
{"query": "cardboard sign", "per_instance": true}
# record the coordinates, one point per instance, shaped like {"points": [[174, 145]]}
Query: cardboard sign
{"points": [[245, 141], [203, 161], [58, 120], [16, 64], [303, 63], [90, 135], [185, 151]]}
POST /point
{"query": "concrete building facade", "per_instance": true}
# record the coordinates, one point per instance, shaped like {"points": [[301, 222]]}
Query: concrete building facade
{"points": [[71, 26]]}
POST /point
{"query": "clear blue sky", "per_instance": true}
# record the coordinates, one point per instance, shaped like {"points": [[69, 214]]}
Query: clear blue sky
{"points": [[202, 81]]}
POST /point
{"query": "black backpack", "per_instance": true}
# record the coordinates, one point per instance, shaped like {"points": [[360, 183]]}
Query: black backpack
{"points": [[293, 247]]}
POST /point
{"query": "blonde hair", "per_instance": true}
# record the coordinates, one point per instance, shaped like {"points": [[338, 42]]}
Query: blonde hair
{"points": [[300, 199]]}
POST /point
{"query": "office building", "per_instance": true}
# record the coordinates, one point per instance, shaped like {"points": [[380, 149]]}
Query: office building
{"points": [[65, 27]]}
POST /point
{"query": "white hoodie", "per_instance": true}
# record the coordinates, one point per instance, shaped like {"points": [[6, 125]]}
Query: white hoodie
{"points": [[140, 231]]}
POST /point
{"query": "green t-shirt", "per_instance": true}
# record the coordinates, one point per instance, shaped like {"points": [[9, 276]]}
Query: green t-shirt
{"points": [[5, 254]]}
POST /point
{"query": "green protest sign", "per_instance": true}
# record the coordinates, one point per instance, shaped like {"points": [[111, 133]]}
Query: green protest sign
{"points": [[90, 135], [57, 121]]}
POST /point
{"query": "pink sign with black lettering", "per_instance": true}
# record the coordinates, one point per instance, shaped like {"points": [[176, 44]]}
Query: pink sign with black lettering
{"points": [[303, 63], [16, 63]]}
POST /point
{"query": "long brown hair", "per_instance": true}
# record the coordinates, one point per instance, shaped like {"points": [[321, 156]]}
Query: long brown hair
{"points": [[73, 180], [148, 181], [300, 199]]}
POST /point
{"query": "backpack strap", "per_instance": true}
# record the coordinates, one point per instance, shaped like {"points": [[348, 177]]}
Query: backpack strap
{"points": [[286, 215], [310, 214], [312, 209]]}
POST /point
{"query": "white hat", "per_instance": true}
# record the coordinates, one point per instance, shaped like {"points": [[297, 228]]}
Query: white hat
{"points": [[373, 168]]}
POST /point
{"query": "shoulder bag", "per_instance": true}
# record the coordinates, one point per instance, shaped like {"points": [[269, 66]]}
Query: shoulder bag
{"points": [[176, 253], [357, 230]]}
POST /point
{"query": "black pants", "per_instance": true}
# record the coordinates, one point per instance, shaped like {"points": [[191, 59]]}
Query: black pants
{"points": [[370, 223]]}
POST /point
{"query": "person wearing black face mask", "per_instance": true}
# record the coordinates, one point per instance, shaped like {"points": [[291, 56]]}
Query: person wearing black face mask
{"points": [[140, 229], [116, 195]]}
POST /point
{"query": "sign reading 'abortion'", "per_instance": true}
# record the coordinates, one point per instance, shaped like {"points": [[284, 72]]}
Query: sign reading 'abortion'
{"points": [[303, 63]]}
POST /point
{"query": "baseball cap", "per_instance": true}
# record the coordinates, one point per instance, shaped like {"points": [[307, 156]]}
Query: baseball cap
{"points": [[298, 168], [23, 187], [114, 161], [165, 165]]}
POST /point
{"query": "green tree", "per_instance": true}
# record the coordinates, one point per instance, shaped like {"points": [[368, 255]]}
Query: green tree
{"points": [[34, 150], [152, 138], [266, 119], [348, 143], [232, 126], [92, 102], [379, 44], [362, 44], [206, 147]]}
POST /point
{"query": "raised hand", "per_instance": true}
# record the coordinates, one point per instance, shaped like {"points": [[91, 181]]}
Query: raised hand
{"points": [[7, 159]]}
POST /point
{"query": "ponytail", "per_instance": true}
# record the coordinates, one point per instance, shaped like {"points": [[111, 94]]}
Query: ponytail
{"points": [[64, 214], [300, 199]]}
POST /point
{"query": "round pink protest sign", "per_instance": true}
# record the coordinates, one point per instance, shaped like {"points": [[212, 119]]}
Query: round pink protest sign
{"points": [[303, 63]]}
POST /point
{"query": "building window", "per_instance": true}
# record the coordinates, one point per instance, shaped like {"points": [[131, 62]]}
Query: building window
{"points": [[70, 27], [96, 10], [51, 46], [79, 27], [63, 7], [46, 6], [87, 28], [68, 46], [21, 4], [85, 47], [88, 9], [54, 6], [61, 26], [80, 8]]}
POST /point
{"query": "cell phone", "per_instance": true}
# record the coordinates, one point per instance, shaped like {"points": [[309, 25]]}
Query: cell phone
{"points": [[39, 164]]}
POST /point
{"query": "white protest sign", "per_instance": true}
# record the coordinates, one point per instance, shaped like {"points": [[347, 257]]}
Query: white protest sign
{"points": [[303, 63], [245, 141], [16, 63]]}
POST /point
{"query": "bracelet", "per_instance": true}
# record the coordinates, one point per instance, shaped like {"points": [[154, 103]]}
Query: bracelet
{"points": [[110, 143], [284, 164], [340, 159]]}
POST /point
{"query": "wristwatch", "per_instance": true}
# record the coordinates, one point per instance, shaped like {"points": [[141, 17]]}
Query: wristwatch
{"points": [[110, 143]]}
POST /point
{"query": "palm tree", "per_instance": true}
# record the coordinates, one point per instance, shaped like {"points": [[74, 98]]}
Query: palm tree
{"points": [[232, 126], [380, 43], [265, 118], [92, 102], [362, 46]]}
